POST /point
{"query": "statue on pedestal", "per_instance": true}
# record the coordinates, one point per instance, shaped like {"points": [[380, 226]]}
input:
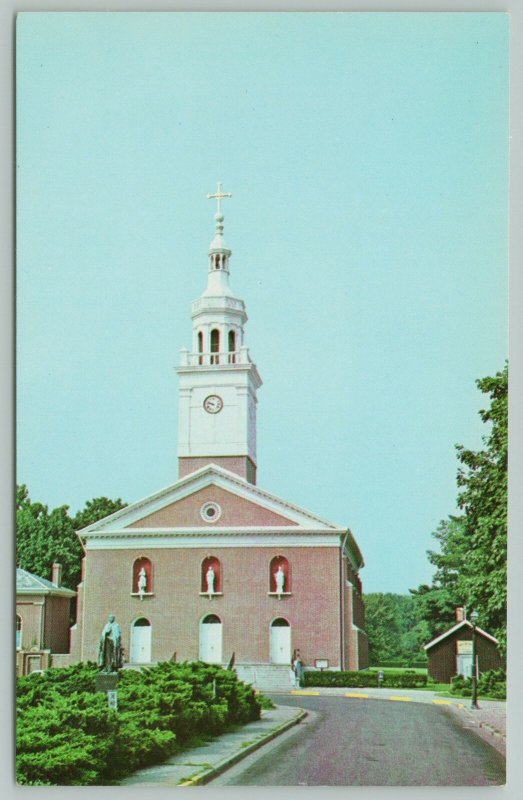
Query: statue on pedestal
{"points": [[142, 582], [110, 649], [279, 577], [210, 576]]}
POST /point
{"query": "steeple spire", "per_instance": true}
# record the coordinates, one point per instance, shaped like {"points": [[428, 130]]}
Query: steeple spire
{"points": [[218, 380]]}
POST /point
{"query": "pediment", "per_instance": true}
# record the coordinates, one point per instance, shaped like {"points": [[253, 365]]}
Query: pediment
{"points": [[238, 503]]}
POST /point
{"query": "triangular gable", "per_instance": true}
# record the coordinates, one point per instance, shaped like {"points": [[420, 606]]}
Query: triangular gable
{"points": [[463, 624], [234, 511], [241, 504]]}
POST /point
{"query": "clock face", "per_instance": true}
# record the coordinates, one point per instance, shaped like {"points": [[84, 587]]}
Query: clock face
{"points": [[212, 404]]}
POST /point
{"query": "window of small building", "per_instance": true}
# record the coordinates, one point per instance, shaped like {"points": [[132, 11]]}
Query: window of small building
{"points": [[18, 632]]}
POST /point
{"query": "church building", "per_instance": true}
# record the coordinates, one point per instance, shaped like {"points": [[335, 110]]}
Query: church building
{"points": [[213, 567]]}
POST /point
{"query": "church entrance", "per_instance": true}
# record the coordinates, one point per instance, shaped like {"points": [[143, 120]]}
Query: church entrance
{"points": [[280, 641], [211, 639], [141, 641]]}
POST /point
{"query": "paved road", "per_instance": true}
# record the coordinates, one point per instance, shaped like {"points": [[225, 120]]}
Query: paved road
{"points": [[353, 742]]}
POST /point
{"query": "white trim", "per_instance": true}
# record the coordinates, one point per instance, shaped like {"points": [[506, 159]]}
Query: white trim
{"points": [[207, 539], [456, 628], [210, 474]]}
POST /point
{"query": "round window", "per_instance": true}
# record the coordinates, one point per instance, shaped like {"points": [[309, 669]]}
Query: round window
{"points": [[210, 512]]}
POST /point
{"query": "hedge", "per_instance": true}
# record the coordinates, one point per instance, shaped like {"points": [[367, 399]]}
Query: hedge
{"points": [[363, 679], [68, 736]]}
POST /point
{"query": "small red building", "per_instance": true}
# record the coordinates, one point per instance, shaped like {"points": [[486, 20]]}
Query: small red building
{"points": [[43, 610], [450, 653]]}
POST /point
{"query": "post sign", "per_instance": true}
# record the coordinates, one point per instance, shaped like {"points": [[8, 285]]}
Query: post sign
{"points": [[464, 647], [321, 663], [112, 699]]}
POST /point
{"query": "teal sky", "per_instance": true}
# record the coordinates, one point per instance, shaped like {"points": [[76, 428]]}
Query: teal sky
{"points": [[367, 155]]}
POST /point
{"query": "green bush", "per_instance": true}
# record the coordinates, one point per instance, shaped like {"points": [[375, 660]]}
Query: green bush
{"points": [[67, 734], [492, 683], [363, 679]]}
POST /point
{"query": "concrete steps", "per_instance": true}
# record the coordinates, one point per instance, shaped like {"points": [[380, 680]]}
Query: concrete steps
{"points": [[267, 677]]}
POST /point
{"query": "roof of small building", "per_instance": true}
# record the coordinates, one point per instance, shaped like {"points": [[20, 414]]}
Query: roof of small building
{"points": [[463, 623], [27, 583]]}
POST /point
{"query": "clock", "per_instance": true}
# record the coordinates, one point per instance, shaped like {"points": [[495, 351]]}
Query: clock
{"points": [[212, 404]]}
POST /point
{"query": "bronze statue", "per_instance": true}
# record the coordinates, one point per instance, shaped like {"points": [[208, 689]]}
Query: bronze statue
{"points": [[110, 649]]}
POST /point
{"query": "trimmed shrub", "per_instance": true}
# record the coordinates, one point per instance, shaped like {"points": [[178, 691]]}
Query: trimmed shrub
{"points": [[68, 736], [362, 679]]}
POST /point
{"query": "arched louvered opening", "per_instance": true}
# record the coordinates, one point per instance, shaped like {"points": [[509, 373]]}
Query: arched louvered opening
{"points": [[232, 347], [215, 346]]}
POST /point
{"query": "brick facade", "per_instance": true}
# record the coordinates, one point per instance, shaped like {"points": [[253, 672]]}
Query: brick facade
{"points": [[245, 607]]}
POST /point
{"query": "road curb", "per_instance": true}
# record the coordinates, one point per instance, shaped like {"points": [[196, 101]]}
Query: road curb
{"points": [[213, 772]]}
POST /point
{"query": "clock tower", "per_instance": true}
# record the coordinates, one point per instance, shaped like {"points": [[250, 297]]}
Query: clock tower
{"points": [[217, 379]]}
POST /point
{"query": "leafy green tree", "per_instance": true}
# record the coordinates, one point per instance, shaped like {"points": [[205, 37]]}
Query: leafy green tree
{"points": [[482, 480], [471, 564], [395, 628], [43, 537], [96, 509]]}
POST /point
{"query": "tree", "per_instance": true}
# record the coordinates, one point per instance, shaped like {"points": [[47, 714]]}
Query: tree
{"points": [[482, 479], [44, 537], [394, 628], [471, 564]]}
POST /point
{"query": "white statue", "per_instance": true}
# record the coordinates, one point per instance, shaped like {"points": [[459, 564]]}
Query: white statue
{"points": [[209, 577], [279, 577], [142, 581]]}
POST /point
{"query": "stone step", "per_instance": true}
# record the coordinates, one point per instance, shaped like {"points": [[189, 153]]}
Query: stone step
{"points": [[267, 677]]}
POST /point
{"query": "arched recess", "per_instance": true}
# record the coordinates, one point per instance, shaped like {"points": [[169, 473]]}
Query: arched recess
{"points": [[142, 581], [279, 584], [141, 641], [280, 641], [232, 346], [211, 576], [211, 637], [215, 345], [200, 347], [18, 632]]}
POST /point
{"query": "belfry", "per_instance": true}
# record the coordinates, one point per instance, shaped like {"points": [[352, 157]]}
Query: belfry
{"points": [[213, 566], [218, 381]]}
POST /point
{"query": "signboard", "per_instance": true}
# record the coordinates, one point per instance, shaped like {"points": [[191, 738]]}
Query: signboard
{"points": [[321, 663], [464, 647], [112, 699]]}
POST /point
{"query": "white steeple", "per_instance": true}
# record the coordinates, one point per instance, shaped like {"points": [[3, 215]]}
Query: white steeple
{"points": [[218, 380]]}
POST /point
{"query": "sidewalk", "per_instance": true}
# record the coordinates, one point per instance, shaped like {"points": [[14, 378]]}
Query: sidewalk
{"points": [[199, 764]]}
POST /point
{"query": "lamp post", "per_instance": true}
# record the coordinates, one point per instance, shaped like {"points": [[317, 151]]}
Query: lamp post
{"points": [[474, 701]]}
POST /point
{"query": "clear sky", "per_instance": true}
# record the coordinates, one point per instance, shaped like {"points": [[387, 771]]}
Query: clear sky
{"points": [[367, 157]]}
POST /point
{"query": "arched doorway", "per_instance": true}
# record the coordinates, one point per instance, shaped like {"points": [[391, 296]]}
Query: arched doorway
{"points": [[280, 641], [211, 639], [141, 641]]}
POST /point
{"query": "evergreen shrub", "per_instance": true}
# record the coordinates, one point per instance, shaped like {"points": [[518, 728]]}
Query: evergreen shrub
{"points": [[68, 736], [363, 678]]}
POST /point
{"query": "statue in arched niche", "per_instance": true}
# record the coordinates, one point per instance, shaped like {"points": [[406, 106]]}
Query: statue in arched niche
{"points": [[279, 577], [142, 582], [210, 577]]}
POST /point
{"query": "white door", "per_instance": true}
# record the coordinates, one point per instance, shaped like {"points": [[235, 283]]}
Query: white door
{"points": [[465, 666], [141, 642], [280, 642], [211, 640]]}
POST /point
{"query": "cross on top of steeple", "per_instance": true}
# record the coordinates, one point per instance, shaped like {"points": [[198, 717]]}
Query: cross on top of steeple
{"points": [[218, 196]]}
